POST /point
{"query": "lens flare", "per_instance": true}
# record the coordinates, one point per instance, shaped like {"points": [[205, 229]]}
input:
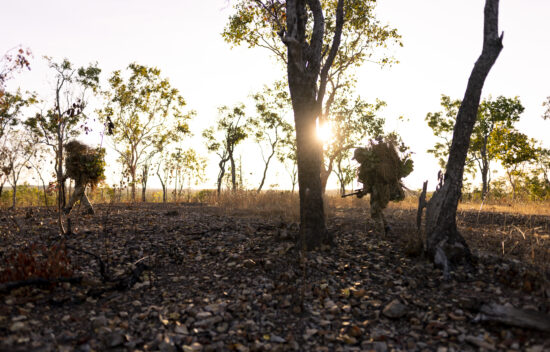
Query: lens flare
{"points": [[324, 131]]}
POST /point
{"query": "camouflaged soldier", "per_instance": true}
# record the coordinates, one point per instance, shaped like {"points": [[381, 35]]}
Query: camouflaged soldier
{"points": [[380, 171], [86, 166]]}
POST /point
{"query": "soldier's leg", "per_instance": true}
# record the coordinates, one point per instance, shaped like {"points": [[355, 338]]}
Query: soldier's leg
{"points": [[378, 202], [86, 202], [376, 210], [77, 195]]}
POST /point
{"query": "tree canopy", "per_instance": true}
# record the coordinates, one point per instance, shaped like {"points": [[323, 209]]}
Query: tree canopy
{"points": [[146, 112]]}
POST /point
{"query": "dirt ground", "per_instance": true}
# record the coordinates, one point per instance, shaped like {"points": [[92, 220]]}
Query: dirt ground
{"points": [[188, 277]]}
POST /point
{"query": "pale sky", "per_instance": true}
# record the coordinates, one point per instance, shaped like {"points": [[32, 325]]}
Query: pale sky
{"points": [[442, 39]]}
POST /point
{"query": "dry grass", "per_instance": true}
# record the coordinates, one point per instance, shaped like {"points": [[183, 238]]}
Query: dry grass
{"points": [[518, 231]]}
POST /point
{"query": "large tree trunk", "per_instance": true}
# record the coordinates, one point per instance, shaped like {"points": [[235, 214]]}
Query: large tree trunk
{"points": [[444, 243], [304, 70], [313, 231]]}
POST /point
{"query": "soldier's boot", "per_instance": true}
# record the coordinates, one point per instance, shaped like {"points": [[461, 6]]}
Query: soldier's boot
{"points": [[379, 222]]}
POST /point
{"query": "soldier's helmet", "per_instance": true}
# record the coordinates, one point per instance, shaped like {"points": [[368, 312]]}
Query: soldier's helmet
{"points": [[360, 154]]}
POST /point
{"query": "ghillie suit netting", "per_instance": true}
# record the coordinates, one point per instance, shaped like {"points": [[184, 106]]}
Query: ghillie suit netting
{"points": [[85, 165], [380, 171]]}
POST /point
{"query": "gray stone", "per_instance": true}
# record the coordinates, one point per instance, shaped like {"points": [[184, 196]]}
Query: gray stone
{"points": [[395, 309]]}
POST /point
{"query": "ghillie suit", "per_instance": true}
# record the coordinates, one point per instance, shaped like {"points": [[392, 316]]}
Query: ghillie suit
{"points": [[86, 166], [380, 172]]}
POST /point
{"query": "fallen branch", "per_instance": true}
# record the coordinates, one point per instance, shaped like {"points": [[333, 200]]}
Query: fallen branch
{"points": [[9, 286], [102, 268], [521, 318]]}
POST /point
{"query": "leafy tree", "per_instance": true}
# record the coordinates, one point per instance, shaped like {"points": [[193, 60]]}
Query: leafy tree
{"points": [[514, 149], [351, 121], [345, 171], [269, 127], [11, 108], [17, 153], [188, 168], [492, 115], [66, 116], [538, 182], [146, 112], [444, 243], [223, 138], [288, 156], [163, 171], [13, 61], [306, 36], [546, 104]]}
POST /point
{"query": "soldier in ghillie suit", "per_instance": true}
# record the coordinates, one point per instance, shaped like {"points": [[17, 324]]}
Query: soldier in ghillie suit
{"points": [[86, 166], [380, 171]]}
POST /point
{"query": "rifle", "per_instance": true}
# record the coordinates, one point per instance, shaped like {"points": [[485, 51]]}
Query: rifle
{"points": [[357, 192]]}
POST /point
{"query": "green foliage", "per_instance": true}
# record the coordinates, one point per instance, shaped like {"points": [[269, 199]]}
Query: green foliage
{"points": [[269, 126], [272, 105], [65, 118], [351, 121], [27, 195], [10, 108], [485, 145], [261, 23], [512, 147], [147, 114], [230, 130], [546, 104]]}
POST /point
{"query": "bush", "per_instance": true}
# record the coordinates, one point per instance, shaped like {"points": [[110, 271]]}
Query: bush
{"points": [[36, 261]]}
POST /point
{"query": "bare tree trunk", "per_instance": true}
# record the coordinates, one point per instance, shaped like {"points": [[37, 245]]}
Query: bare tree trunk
{"points": [[14, 195], [484, 179], [444, 244], [133, 185], [144, 179], [233, 173], [265, 170]]}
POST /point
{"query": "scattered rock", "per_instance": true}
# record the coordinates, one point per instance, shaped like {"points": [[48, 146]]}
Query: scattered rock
{"points": [[395, 309]]}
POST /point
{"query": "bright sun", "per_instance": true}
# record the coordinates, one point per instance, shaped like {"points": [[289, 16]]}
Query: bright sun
{"points": [[324, 131]]}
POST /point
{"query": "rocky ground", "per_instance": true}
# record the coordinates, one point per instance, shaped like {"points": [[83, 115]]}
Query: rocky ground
{"points": [[209, 281]]}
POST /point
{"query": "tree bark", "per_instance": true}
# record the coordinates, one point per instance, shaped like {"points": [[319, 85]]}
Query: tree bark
{"points": [[313, 231], [233, 173], [444, 243]]}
